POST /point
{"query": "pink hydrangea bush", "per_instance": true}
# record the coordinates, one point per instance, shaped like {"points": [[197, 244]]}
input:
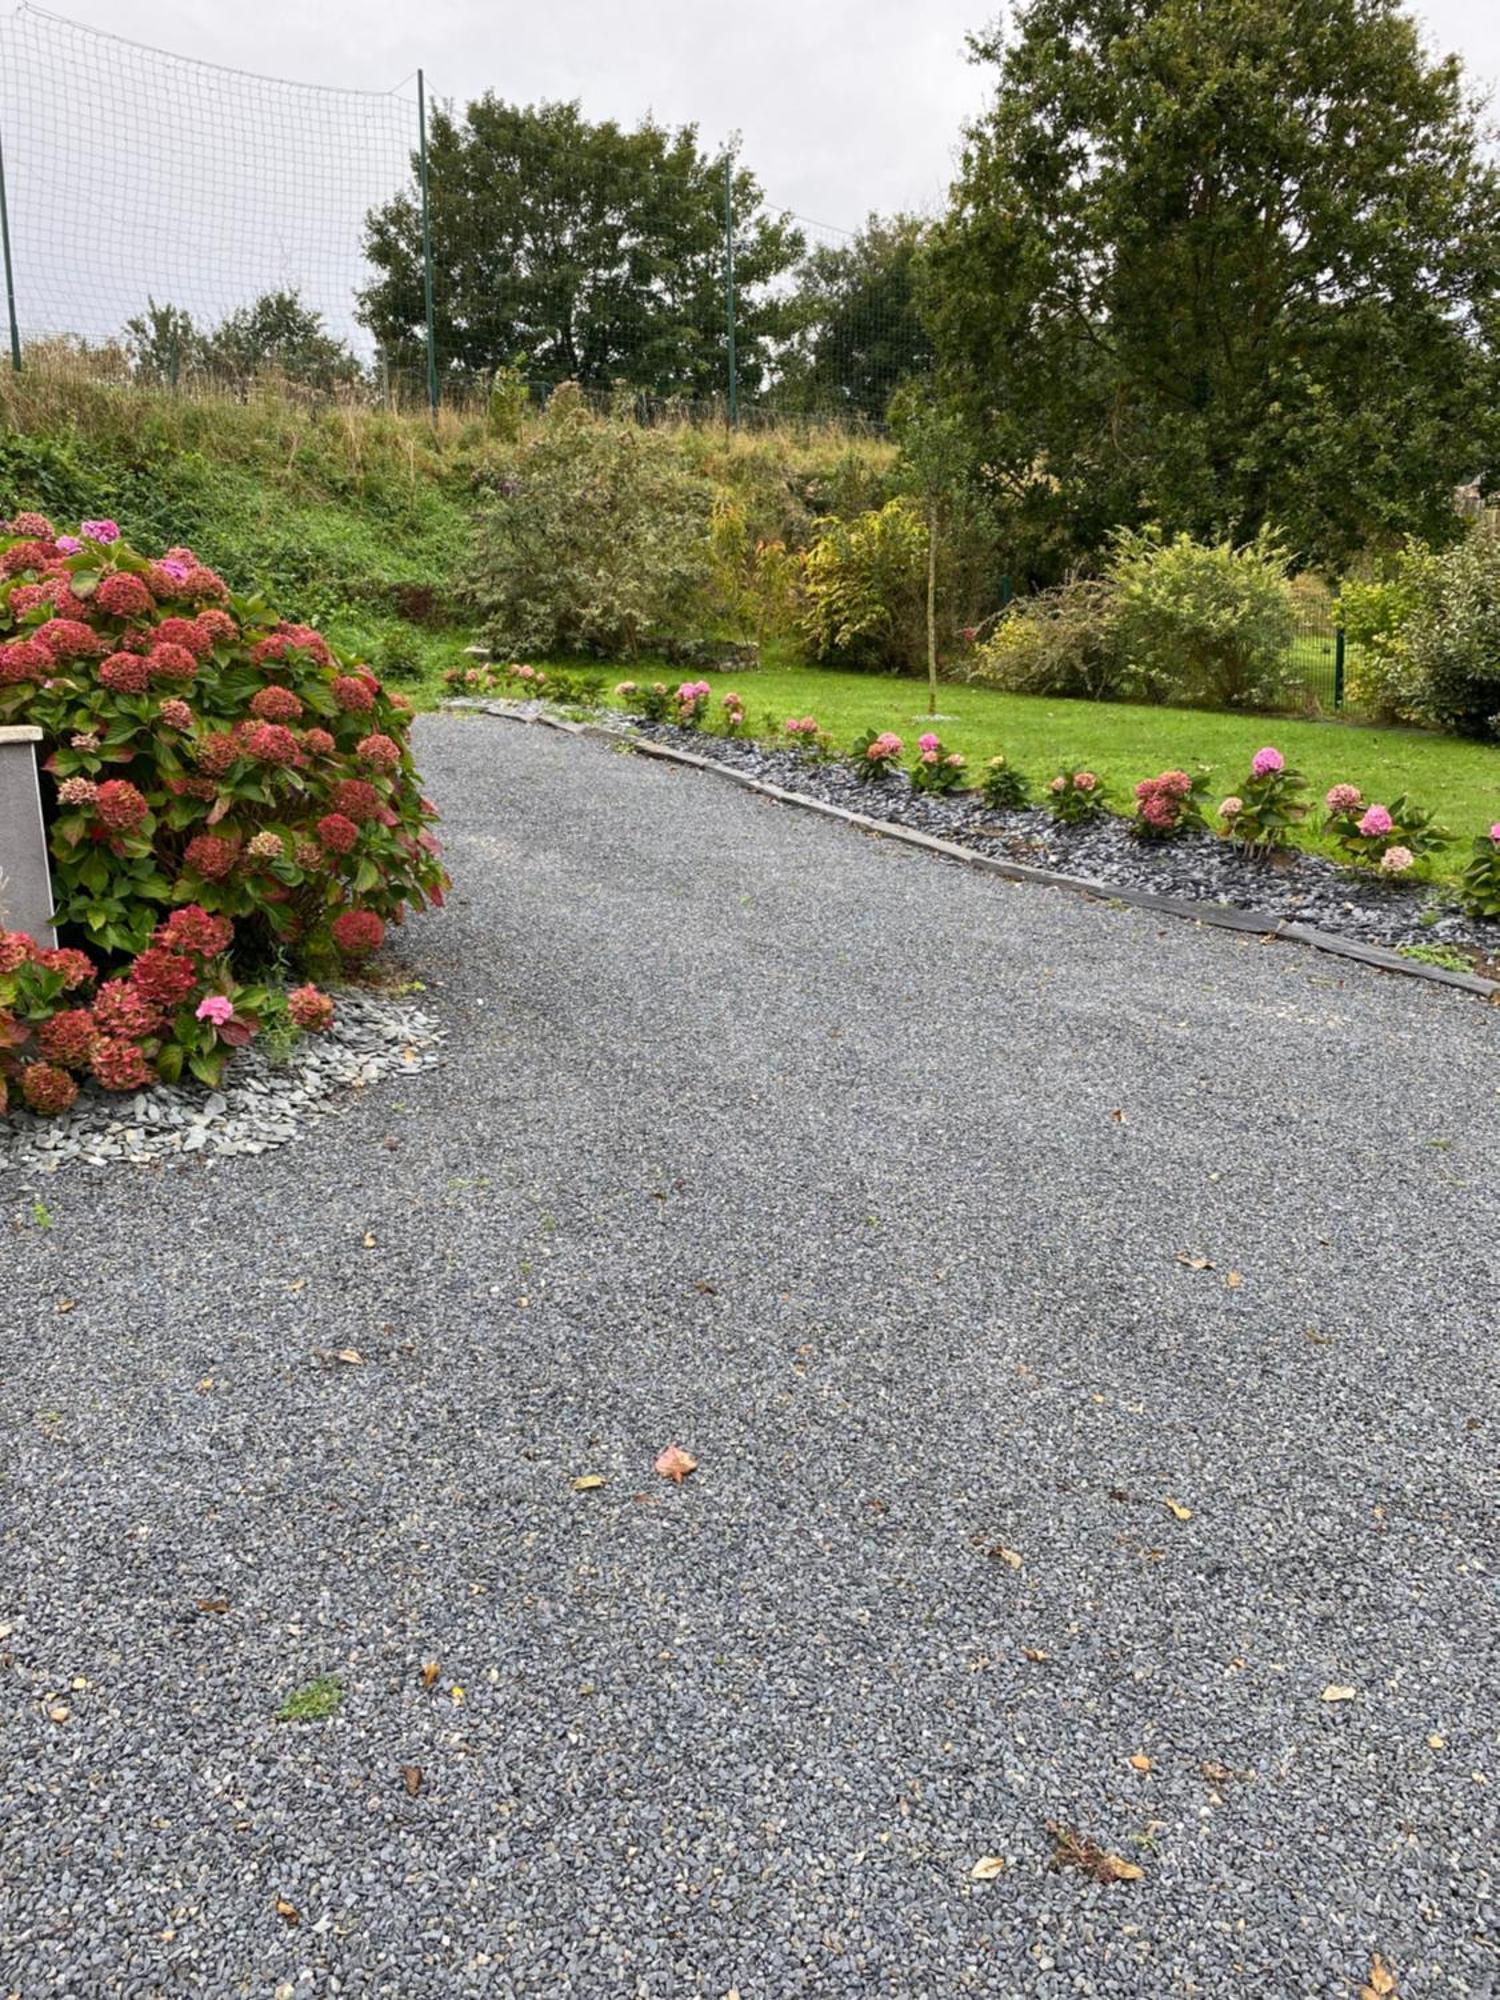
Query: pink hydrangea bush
{"points": [[807, 737], [937, 769], [876, 753], [1390, 839], [1479, 886], [690, 704], [652, 701], [1262, 814], [196, 749], [1168, 805], [1074, 797], [1005, 788]]}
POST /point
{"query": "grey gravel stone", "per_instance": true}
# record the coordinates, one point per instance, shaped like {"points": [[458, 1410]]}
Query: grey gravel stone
{"points": [[869, 1181]]}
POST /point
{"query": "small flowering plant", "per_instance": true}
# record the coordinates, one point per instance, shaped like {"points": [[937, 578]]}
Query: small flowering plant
{"points": [[1479, 885], [1073, 798], [937, 769], [652, 701], [1003, 786], [876, 753], [1167, 805], [733, 720], [1260, 817], [690, 704], [805, 737], [1387, 838]]}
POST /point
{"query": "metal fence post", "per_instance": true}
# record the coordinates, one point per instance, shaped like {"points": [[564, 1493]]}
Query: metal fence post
{"points": [[1338, 666], [10, 282], [432, 373], [734, 384]]}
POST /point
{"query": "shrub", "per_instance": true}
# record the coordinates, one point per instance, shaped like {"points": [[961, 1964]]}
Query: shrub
{"points": [[733, 719], [1168, 805], [875, 753], [1389, 838], [224, 807], [1074, 797], [653, 701], [1003, 786], [865, 590], [1261, 815], [1060, 642], [1452, 639], [1202, 623], [690, 704], [937, 769], [594, 540], [1480, 882], [805, 737], [1382, 677]]}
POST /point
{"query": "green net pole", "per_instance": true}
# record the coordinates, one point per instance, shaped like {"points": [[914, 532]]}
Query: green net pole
{"points": [[432, 373], [734, 384], [10, 281]]}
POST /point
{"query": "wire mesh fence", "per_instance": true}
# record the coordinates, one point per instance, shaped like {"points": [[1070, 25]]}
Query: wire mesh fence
{"points": [[178, 223]]}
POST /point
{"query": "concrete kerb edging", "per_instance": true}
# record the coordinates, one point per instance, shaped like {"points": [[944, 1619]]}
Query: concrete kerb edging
{"points": [[1219, 916]]}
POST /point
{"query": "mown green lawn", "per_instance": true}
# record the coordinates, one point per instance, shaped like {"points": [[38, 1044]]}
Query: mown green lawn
{"points": [[1124, 742]]}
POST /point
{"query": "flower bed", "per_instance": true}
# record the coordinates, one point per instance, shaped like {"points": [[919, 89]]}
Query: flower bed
{"points": [[230, 800]]}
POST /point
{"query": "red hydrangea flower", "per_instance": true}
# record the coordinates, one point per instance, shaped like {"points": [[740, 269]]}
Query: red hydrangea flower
{"points": [[125, 673], [23, 660], [68, 1038], [76, 967], [35, 525], [123, 596], [186, 632], [69, 639], [381, 751], [192, 928], [289, 639], [172, 663], [119, 806], [216, 753], [214, 625], [272, 743], [24, 556], [211, 855], [120, 1065], [357, 933], [337, 833], [318, 743], [355, 800], [47, 1089], [309, 1008], [276, 704], [163, 977], [176, 714], [16, 950], [124, 1013], [353, 693], [27, 596]]}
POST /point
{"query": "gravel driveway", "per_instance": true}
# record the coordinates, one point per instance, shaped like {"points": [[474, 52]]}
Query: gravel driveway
{"points": [[867, 1181]]}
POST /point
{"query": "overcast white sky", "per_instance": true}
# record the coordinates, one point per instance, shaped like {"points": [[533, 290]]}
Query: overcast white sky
{"points": [[845, 105]]}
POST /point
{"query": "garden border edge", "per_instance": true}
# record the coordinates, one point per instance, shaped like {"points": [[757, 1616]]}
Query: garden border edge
{"points": [[1219, 916]]}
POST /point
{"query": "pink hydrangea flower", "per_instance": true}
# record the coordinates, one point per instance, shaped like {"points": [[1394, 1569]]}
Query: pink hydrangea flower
{"points": [[1084, 781], [1396, 860], [929, 756], [1342, 798], [1375, 822], [1058, 785], [927, 741], [100, 531], [215, 1008], [1264, 762], [1231, 808], [1495, 833], [68, 545]]}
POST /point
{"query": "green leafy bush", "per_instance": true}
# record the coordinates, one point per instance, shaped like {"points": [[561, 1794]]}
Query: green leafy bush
{"points": [[864, 585], [1271, 802], [1452, 639], [1375, 612], [593, 539], [1480, 883], [1060, 642], [1074, 797], [1202, 623], [1003, 787]]}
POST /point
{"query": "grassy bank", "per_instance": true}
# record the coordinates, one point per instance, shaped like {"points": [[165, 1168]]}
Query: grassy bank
{"points": [[1124, 743]]}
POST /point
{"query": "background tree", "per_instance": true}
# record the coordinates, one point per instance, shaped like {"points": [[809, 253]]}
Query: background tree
{"points": [[275, 332], [937, 467], [591, 253], [861, 333], [163, 343], [1219, 262]]}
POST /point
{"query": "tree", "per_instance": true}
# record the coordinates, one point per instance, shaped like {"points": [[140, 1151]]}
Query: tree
{"points": [[163, 343], [583, 252], [1222, 263], [937, 466], [276, 332], [862, 335]]}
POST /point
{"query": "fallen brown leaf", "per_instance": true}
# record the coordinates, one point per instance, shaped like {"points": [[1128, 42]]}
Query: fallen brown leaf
{"points": [[1176, 1509], [1075, 1850], [1333, 1692], [588, 1482], [1380, 1981], [411, 1777], [430, 1673], [289, 1911], [218, 1605], [66, 1305], [1234, 1280], [59, 1712], [675, 1464], [1034, 1654], [1194, 1262], [369, 1240], [1002, 1554], [1140, 1762], [350, 1354], [987, 1867]]}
